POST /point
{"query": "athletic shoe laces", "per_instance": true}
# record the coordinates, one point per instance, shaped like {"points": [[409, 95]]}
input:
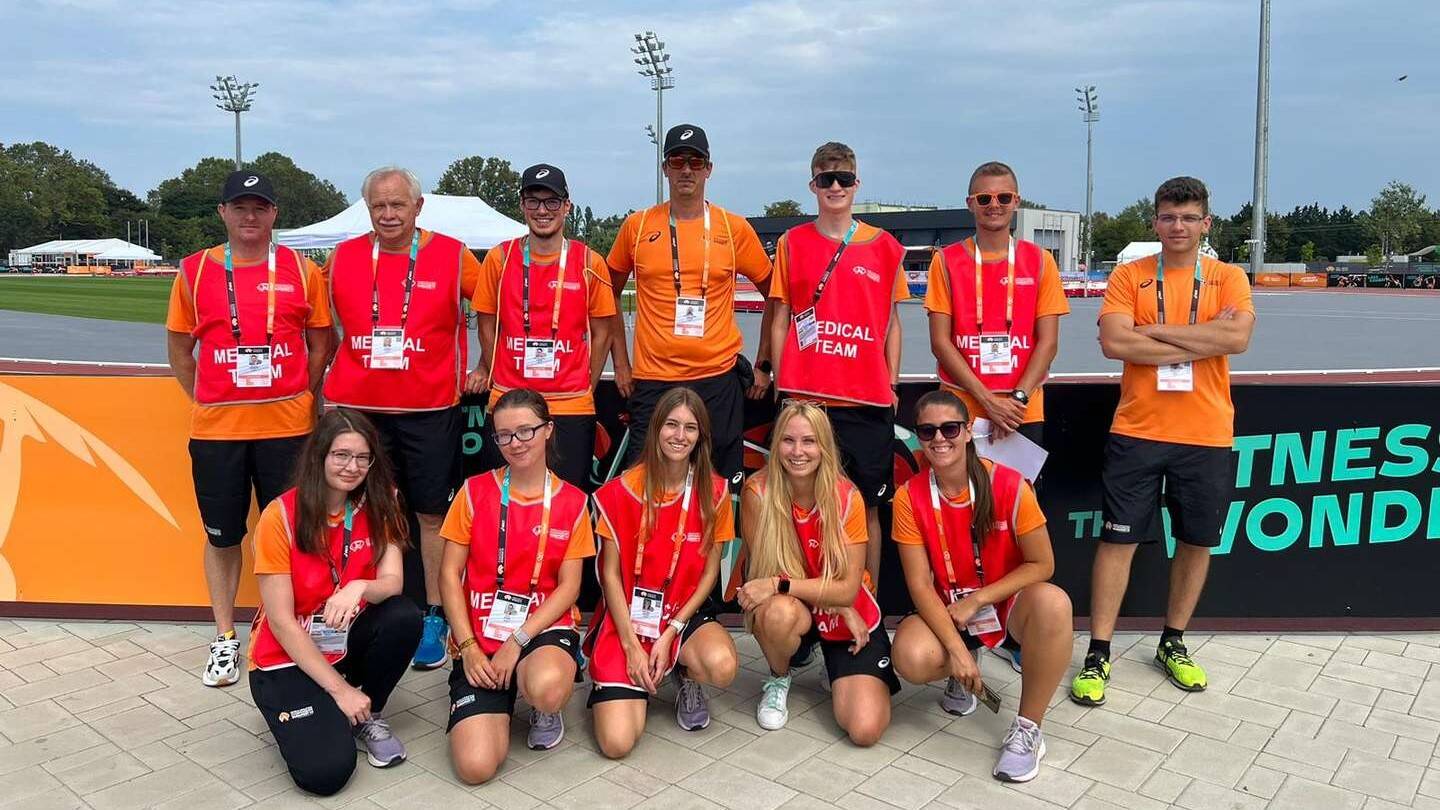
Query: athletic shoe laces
{"points": [[1176, 652], [691, 698], [1093, 668], [544, 721], [774, 694], [376, 729], [1020, 739], [224, 650]]}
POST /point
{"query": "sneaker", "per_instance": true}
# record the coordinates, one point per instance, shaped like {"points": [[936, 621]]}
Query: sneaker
{"points": [[222, 669], [957, 700], [692, 709], [1011, 656], [1172, 657], [773, 714], [1021, 752], [803, 659], [1088, 688], [380, 746], [431, 652], [546, 730]]}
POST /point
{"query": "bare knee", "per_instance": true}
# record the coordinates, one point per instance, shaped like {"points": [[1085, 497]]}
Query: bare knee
{"points": [[719, 664], [780, 616], [865, 732], [548, 690], [615, 743], [474, 770], [917, 662]]}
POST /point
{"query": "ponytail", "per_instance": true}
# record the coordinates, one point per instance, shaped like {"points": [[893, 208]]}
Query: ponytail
{"points": [[983, 508]]}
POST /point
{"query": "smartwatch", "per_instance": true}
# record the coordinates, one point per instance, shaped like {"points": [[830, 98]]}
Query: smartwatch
{"points": [[783, 586], [521, 637], [1020, 396]]}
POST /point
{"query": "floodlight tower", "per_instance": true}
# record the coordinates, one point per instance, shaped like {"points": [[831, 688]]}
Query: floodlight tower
{"points": [[651, 57], [234, 96], [1090, 113]]}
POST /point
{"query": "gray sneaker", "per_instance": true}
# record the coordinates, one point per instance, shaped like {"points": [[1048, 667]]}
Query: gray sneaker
{"points": [[957, 700], [546, 730], [380, 746], [692, 710], [1021, 752]]}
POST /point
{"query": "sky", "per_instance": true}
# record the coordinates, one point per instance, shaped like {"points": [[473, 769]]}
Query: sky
{"points": [[923, 90]]}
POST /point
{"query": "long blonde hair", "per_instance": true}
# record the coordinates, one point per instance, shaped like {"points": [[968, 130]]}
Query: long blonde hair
{"points": [[774, 548]]}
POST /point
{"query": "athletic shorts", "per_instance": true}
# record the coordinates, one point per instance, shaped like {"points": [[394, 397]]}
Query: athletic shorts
{"points": [[424, 449], [468, 701], [707, 614], [1197, 485], [574, 450], [866, 435], [724, 398], [873, 658], [226, 471]]}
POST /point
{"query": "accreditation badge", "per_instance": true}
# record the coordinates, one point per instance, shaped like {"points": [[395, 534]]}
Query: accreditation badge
{"points": [[1175, 377], [507, 612], [646, 607], [252, 367], [807, 329], [387, 348], [690, 317], [995, 356], [985, 620], [328, 640], [540, 361]]}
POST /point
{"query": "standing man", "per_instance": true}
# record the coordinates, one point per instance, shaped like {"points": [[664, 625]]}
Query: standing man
{"points": [[994, 330], [685, 254], [836, 329], [546, 319], [259, 317], [398, 294], [1174, 319]]}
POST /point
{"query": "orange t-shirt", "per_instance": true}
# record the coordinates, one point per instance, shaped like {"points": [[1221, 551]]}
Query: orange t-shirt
{"points": [[635, 480], [261, 420], [456, 528], [1206, 415], [780, 287], [643, 247], [903, 528], [599, 299], [1050, 300]]}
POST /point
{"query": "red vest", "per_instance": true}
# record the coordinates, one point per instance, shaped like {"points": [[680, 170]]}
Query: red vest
{"points": [[567, 503], [959, 259], [572, 330], [215, 364], [999, 552], [435, 340], [311, 582], [827, 622], [848, 360]]}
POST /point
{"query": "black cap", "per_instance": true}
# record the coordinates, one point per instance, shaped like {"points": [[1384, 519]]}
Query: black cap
{"points": [[247, 184], [543, 175], [687, 136]]}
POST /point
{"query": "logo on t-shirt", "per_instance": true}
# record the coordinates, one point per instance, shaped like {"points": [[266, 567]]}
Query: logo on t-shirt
{"points": [[862, 270], [652, 236], [1146, 283]]}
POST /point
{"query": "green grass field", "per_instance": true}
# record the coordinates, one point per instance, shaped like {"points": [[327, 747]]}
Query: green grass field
{"points": [[113, 299]]}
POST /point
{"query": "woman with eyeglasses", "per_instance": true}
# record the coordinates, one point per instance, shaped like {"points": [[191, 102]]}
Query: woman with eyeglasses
{"points": [[805, 539], [329, 642], [517, 538], [977, 561], [662, 522]]}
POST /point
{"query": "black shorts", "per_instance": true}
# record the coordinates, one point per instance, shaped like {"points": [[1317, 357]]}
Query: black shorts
{"points": [[574, 450], [866, 435], [468, 701], [1198, 483], [226, 471], [1034, 431], [707, 614], [873, 658], [724, 398], [424, 449]]}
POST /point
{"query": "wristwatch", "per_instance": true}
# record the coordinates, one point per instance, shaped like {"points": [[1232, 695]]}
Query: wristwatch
{"points": [[521, 637], [783, 586], [764, 366], [677, 625], [1020, 396]]}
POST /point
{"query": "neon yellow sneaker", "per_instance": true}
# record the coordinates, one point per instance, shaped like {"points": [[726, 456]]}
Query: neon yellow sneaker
{"points": [[1088, 688], [1172, 657]]}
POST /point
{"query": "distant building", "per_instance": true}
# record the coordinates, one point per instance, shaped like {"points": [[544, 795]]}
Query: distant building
{"points": [[871, 207]]}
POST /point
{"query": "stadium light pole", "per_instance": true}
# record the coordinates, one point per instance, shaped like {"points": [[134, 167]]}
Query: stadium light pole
{"points": [[234, 96], [651, 57], [1262, 143], [1090, 113]]}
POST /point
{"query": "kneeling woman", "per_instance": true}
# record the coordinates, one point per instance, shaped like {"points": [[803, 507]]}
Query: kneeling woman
{"points": [[662, 522], [329, 644], [808, 582], [517, 538], [977, 558]]}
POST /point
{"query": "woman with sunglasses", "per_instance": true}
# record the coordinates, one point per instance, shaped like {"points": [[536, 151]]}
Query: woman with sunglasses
{"points": [[509, 577], [329, 644], [805, 541], [977, 561], [662, 522]]}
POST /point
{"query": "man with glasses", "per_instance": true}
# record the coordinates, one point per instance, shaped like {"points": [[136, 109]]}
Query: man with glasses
{"points": [[546, 319], [685, 255], [398, 295], [836, 329], [1174, 319]]}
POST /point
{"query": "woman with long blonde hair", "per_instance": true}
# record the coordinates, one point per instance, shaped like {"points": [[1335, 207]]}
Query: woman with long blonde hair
{"points": [[807, 580]]}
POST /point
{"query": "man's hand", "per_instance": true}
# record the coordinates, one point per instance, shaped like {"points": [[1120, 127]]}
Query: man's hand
{"points": [[477, 380], [1005, 413]]}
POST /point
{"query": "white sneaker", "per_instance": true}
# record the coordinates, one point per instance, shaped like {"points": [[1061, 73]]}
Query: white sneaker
{"points": [[223, 667], [773, 713]]}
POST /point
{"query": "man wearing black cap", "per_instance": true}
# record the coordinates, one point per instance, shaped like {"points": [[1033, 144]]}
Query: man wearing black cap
{"points": [[260, 318], [546, 316], [685, 255]]}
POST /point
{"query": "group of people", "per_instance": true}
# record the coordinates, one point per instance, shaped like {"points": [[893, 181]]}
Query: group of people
{"points": [[252, 339]]}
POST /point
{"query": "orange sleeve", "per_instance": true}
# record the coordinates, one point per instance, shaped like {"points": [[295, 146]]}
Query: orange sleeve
{"points": [[180, 316], [487, 282], [1235, 290], [622, 253], [272, 541], [599, 297], [750, 259], [456, 527], [1119, 292], [902, 286], [1028, 516], [469, 273], [582, 539], [1051, 298], [317, 295], [724, 519], [903, 528], [856, 529], [780, 272], [937, 291]]}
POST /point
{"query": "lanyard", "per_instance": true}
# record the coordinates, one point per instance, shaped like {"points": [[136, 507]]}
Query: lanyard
{"points": [[269, 296], [1160, 289], [344, 547], [504, 522], [834, 260], [980, 288], [675, 253], [559, 288], [375, 280], [678, 538], [945, 546]]}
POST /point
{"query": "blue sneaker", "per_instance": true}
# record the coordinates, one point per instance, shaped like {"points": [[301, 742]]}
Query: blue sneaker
{"points": [[431, 652], [1010, 654]]}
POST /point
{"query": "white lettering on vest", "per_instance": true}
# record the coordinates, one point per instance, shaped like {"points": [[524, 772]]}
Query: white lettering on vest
{"points": [[361, 343], [227, 357]]}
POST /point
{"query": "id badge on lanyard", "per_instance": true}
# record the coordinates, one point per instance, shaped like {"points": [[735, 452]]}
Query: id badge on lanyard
{"points": [[646, 608], [253, 368], [387, 348], [647, 605], [540, 361], [328, 640], [253, 364], [807, 329], [1176, 376], [985, 620], [690, 310], [995, 356], [387, 343], [690, 317], [508, 612]]}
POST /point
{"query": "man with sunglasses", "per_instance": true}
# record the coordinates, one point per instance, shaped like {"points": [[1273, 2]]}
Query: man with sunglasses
{"points": [[546, 316], [836, 329], [685, 254], [398, 294], [1174, 319], [995, 330]]}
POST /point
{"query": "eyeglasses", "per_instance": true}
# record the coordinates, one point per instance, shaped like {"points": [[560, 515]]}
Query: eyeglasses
{"points": [[342, 459], [949, 430], [524, 434], [1004, 198], [695, 162], [550, 203], [827, 179], [1171, 219]]}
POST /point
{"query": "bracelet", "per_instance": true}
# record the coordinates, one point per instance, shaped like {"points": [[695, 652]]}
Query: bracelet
{"points": [[469, 642]]}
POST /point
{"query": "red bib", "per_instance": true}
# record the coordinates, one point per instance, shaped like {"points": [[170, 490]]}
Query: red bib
{"points": [[959, 263], [571, 329]]}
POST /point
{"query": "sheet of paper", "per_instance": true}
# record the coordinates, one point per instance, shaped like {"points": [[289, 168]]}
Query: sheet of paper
{"points": [[1013, 451]]}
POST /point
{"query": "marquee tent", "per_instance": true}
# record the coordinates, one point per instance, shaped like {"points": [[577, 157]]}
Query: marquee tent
{"points": [[62, 252], [468, 219]]}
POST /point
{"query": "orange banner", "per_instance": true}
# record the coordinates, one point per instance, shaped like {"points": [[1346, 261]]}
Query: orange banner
{"points": [[1272, 279], [1307, 279]]}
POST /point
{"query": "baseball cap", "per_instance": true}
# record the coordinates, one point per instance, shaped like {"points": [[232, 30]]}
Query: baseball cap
{"points": [[687, 136], [247, 184], [543, 175]]}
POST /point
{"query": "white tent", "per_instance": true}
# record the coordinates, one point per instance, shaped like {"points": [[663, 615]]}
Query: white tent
{"points": [[60, 252], [128, 253], [468, 219], [1137, 250]]}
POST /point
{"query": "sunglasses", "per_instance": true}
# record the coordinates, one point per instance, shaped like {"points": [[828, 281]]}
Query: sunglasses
{"points": [[524, 434], [826, 179], [695, 162], [949, 430], [1004, 198], [550, 203]]}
